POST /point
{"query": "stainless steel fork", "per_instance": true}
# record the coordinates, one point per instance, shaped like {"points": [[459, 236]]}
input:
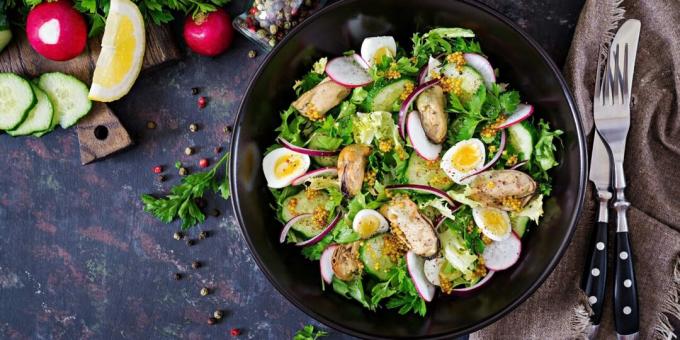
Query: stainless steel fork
{"points": [[611, 110]]}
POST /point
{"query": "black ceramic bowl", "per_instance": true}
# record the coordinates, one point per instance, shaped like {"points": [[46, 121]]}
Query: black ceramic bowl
{"points": [[341, 27]]}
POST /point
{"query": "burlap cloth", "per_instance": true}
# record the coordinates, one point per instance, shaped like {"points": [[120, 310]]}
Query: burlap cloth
{"points": [[652, 166]]}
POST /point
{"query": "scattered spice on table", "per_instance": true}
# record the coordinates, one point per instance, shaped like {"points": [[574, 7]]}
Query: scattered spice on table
{"points": [[195, 264], [218, 314], [204, 291], [193, 127], [202, 102], [227, 129], [235, 332], [203, 235], [195, 90], [188, 151], [157, 169], [151, 125], [178, 235], [215, 212], [204, 163], [177, 276], [212, 321], [252, 54], [183, 171], [218, 149], [161, 178], [191, 242]]}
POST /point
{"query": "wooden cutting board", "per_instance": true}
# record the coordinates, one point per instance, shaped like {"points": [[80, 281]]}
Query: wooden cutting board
{"points": [[100, 133]]}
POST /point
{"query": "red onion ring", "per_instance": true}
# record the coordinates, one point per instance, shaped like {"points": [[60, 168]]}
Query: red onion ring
{"points": [[518, 165], [310, 152], [322, 234], [289, 224], [403, 111], [493, 161], [425, 189], [314, 173], [469, 290]]}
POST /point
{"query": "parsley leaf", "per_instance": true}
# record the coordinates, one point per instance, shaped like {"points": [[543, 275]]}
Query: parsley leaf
{"points": [[309, 333], [400, 292], [181, 202]]}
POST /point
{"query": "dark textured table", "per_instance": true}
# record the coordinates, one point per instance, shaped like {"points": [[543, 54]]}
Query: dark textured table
{"points": [[80, 259]]}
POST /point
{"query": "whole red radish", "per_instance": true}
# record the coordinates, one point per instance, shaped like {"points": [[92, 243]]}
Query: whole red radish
{"points": [[56, 30], [208, 34]]}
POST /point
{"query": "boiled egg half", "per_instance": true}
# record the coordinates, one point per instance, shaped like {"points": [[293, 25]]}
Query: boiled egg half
{"points": [[373, 49], [494, 223], [282, 166], [368, 222], [462, 159]]}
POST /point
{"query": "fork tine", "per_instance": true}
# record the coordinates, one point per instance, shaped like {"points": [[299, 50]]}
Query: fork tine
{"points": [[614, 76], [625, 73], [621, 84]]}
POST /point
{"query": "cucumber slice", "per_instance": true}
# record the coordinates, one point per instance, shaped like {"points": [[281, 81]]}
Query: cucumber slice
{"points": [[16, 100], [372, 254], [304, 203], [471, 79], [519, 224], [39, 118], [521, 140], [423, 172], [388, 98], [5, 38], [314, 143], [68, 95]]}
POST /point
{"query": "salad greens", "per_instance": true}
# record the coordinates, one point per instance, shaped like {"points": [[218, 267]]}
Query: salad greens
{"points": [[466, 214]]}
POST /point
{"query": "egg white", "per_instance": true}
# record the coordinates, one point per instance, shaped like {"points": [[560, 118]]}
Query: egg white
{"points": [[368, 213], [370, 47], [483, 224], [455, 174], [269, 165]]}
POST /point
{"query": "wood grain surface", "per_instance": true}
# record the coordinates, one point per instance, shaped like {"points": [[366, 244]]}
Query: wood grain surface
{"points": [[19, 57]]}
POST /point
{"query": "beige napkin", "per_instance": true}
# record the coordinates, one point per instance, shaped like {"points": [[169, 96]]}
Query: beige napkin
{"points": [[557, 309]]}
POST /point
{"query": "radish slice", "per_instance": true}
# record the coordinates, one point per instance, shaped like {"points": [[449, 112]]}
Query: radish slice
{"points": [[431, 268], [416, 134], [432, 64], [326, 264], [329, 171], [469, 290], [361, 61], [415, 266], [403, 111], [289, 224], [522, 112], [321, 235], [502, 255], [493, 161], [482, 66], [428, 190], [347, 72], [310, 152], [518, 165]]}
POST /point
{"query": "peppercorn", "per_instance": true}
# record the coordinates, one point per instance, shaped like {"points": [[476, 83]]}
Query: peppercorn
{"points": [[201, 102], [218, 149], [150, 125], [178, 235], [177, 276], [272, 42], [204, 291], [195, 90], [193, 127], [203, 163], [157, 169], [161, 178], [235, 332], [273, 29], [212, 321], [252, 10], [227, 129], [218, 314], [191, 242], [203, 235], [183, 171], [215, 212], [188, 151], [195, 264], [252, 54]]}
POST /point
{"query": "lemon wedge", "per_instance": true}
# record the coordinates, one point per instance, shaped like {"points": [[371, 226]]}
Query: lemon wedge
{"points": [[122, 54]]}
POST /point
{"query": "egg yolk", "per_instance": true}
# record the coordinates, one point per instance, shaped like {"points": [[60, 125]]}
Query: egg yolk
{"points": [[380, 53], [286, 165], [368, 225], [465, 158], [494, 222]]}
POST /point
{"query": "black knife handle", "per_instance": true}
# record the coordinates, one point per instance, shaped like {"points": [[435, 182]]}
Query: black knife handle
{"points": [[594, 279], [625, 290]]}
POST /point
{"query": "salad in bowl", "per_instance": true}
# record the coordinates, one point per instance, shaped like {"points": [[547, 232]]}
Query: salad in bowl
{"points": [[405, 172]]}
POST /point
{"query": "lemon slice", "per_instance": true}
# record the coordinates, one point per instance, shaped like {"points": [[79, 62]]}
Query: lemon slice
{"points": [[120, 59]]}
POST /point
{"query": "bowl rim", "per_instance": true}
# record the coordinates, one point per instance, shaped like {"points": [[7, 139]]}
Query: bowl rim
{"points": [[580, 195]]}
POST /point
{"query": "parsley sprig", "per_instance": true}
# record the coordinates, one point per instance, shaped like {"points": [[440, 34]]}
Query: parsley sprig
{"points": [[309, 333], [181, 202]]}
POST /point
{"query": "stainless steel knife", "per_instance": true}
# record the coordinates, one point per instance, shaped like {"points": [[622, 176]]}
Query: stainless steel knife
{"points": [[594, 278]]}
